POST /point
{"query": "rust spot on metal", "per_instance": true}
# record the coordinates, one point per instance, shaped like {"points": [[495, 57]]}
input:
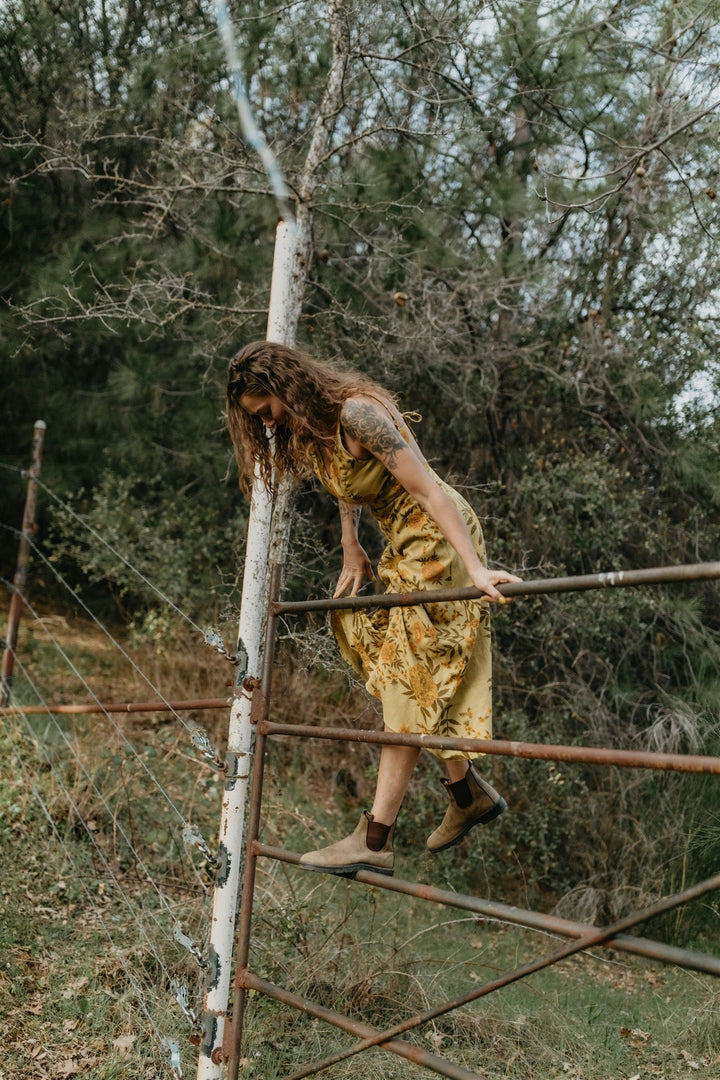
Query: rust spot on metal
{"points": [[257, 705], [589, 755], [227, 1039]]}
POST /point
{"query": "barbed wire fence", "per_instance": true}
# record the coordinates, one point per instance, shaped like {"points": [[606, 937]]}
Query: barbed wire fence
{"points": [[120, 800], [131, 808]]}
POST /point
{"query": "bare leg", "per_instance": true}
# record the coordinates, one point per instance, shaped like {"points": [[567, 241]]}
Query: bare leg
{"points": [[396, 767]]}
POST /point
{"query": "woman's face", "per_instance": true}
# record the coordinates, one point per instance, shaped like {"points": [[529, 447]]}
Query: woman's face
{"points": [[269, 408]]}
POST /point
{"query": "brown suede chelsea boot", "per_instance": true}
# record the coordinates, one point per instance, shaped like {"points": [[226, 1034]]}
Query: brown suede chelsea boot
{"points": [[352, 854]]}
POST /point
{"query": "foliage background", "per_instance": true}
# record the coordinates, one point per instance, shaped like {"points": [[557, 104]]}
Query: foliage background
{"points": [[515, 228]]}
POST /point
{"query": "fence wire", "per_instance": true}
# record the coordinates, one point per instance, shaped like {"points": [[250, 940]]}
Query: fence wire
{"points": [[120, 800], [122, 782]]}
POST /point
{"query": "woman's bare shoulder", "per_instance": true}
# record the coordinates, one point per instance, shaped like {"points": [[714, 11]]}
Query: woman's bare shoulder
{"points": [[368, 426], [364, 404]]}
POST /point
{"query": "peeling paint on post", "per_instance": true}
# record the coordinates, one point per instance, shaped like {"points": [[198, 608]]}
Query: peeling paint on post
{"points": [[253, 608], [292, 257], [232, 821]]}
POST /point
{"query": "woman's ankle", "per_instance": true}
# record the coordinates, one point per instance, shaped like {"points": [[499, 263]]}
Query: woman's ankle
{"points": [[457, 769]]}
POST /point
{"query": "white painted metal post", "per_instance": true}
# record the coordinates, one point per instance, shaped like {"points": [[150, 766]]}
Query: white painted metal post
{"points": [[293, 244], [282, 320]]}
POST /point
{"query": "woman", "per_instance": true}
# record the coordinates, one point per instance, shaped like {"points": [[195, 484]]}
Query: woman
{"points": [[429, 665]]}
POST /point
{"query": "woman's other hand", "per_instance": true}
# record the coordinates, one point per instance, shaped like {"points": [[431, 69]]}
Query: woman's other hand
{"points": [[356, 567], [487, 580]]}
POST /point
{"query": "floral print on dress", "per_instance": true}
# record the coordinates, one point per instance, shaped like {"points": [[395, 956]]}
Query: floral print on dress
{"points": [[430, 665]]}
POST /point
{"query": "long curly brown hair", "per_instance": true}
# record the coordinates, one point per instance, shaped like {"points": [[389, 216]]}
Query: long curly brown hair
{"points": [[311, 392]]}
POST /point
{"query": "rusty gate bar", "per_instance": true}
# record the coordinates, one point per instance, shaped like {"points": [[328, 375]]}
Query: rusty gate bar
{"points": [[416, 1054], [585, 937], [531, 920], [590, 940], [581, 583], [589, 755], [118, 707]]}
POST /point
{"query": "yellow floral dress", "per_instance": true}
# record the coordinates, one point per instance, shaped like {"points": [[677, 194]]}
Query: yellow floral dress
{"points": [[430, 666]]}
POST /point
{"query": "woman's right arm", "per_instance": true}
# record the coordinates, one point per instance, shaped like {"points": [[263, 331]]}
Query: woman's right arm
{"points": [[356, 564], [367, 425]]}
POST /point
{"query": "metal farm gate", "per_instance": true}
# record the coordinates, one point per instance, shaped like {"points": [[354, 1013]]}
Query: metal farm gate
{"points": [[580, 936]]}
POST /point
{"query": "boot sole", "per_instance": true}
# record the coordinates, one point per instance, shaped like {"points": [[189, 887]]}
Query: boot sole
{"points": [[494, 812], [349, 869]]}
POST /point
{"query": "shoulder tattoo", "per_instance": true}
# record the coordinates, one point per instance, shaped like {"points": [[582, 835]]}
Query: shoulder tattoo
{"points": [[374, 429]]}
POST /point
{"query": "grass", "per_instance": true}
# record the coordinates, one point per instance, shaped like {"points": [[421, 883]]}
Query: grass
{"points": [[364, 952], [85, 985], [78, 993]]}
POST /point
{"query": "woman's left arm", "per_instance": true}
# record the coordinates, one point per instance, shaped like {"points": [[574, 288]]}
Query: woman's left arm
{"points": [[365, 422], [356, 564]]}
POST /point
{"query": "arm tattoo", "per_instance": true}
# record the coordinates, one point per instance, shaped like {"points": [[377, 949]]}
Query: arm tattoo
{"points": [[351, 514], [374, 429]]}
